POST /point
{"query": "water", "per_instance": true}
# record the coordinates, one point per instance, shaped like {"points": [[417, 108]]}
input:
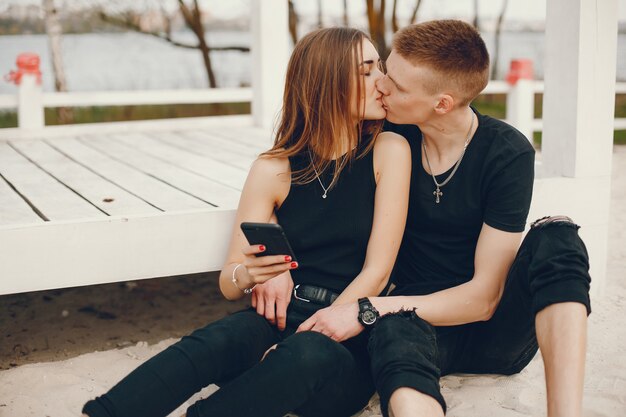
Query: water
{"points": [[131, 61]]}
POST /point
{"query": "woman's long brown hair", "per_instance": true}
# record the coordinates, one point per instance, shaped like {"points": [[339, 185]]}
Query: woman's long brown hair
{"points": [[322, 78]]}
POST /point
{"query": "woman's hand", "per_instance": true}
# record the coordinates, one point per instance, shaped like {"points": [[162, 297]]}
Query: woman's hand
{"points": [[339, 322], [272, 298], [260, 269]]}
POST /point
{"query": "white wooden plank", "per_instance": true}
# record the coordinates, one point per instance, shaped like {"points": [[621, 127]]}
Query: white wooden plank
{"points": [[54, 200], [207, 147], [210, 138], [129, 178], [13, 208], [72, 253], [217, 171], [201, 187], [60, 131], [260, 139], [110, 198]]}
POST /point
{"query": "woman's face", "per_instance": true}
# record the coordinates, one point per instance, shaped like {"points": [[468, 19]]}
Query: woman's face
{"points": [[370, 106]]}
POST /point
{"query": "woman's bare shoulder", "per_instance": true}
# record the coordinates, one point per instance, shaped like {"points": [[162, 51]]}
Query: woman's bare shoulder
{"points": [[268, 167]]}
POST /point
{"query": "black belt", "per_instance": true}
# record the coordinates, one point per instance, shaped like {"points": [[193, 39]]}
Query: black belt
{"points": [[311, 293]]}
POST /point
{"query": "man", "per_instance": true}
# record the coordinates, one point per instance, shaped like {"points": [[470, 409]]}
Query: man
{"points": [[467, 297], [477, 303]]}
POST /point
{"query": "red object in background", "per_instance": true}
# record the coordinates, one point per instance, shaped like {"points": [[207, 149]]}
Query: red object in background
{"points": [[521, 69], [27, 63]]}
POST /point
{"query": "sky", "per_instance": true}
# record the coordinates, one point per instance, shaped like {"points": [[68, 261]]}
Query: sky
{"points": [[530, 10], [524, 10]]}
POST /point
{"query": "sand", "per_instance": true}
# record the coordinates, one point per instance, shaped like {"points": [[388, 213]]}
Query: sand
{"points": [[49, 367]]}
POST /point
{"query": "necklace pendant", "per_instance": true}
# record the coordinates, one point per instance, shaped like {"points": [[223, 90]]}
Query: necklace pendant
{"points": [[437, 193], [324, 196]]}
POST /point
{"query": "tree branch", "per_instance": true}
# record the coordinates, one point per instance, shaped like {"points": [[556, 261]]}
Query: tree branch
{"points": [[187, 15], [129, 24]]}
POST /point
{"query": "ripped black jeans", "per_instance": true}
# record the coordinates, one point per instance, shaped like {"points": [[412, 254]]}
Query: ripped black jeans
{"points": [[551, 267]]}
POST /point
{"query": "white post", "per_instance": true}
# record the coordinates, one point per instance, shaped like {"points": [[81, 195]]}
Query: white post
{"points": [[270, 54], [520, 101], [520, 106], [579, 99], [30, 114], [29, 96], [578, 112]]}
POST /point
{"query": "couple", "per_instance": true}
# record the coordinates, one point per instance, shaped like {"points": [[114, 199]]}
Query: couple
{"points": [[466, 296]]}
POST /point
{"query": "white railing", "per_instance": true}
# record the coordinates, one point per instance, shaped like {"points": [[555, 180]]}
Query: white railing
{"points": [[520, 100], [536, 125], [133, 98]]}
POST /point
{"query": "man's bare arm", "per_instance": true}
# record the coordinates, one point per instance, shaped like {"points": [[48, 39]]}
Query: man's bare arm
{"points": [[475, 300]]}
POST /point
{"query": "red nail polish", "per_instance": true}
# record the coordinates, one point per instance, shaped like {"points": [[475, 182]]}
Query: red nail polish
{"points": [[294, 264], [262, 248], [287, 258]]}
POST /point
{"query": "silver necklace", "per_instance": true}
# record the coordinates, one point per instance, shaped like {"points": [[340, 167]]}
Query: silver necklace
{"points": [[437, 193], [317, 175]]}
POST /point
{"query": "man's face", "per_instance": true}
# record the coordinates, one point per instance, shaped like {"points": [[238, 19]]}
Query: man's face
{"points": [[405, 97]]}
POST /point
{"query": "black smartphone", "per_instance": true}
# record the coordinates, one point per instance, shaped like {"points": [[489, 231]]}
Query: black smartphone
{"points": [[270, 235]]}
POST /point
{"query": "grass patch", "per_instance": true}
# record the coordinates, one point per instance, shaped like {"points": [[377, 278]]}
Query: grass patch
{"points": [[125, 113]]}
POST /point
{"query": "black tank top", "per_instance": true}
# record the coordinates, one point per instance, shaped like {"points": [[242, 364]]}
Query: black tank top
{"points": [[329, 236]]}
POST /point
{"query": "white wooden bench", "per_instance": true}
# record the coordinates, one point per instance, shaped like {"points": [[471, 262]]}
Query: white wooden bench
{"points": [[80, 207]]}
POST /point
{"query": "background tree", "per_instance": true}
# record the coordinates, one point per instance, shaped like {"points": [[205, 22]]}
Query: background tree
{"points": [[192, 16], [53, 29], [496, 40], [377, 26], [475, 22], [394, 17], [376, 21], [293, 23], [413, 19], [320, 22]]}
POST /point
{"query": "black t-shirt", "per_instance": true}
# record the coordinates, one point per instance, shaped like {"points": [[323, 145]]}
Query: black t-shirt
{"points": [[493, 185]]}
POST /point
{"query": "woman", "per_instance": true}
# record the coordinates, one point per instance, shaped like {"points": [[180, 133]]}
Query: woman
{"points": [[341, 197]]}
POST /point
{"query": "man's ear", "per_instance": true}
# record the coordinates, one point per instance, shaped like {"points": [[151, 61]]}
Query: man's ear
{"points": [[445, 104]]}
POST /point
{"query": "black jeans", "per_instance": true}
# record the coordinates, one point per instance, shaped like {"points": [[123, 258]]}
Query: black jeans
{"points": [[308, 373], [551, 267]]}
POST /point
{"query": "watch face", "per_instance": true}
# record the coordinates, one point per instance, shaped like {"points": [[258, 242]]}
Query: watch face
{"points": [[368, 317]]}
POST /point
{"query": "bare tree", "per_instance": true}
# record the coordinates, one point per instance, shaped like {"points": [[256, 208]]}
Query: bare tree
{"points": [[320, 23], [192, 17], [345, 13], [496, 41], [376, 20], [54, 30], [476, 23], [415, 9], [293, 23], [394, 17]]}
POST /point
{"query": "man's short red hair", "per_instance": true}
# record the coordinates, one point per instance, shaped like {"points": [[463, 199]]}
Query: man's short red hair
{"points": [[453, 49]]}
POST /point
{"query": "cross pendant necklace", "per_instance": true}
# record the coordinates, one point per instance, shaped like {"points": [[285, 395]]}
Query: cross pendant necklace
{"points": [[438, 193]]}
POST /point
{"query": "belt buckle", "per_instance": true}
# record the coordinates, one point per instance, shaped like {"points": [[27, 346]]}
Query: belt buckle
{"points": [[295, 294]]}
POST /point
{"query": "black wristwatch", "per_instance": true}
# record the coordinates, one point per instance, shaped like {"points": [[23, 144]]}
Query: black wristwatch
{"points": [[368, 315]]}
